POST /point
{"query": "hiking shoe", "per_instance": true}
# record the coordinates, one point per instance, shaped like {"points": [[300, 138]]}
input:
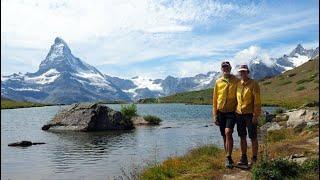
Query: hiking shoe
{"points": [[254, 160], [243, 161], [229, 162]]}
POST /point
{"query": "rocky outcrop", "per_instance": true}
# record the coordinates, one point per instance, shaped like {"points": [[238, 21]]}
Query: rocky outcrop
{"points": [[300, 118], [24, 143], [88, 117], [270, 126]]}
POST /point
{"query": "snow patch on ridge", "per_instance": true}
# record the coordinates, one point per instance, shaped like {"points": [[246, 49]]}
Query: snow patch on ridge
{"points": [[46, 78], [142, 82]]}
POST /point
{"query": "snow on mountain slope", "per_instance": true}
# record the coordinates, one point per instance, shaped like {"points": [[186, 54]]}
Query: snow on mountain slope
{"points": [[61, 78], [143, 82], [298, 59], [64, 78], [46, 78]]}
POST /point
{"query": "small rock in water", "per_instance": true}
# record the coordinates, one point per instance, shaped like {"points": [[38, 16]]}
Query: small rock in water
{"points": [[167, 127], [24, 143]]}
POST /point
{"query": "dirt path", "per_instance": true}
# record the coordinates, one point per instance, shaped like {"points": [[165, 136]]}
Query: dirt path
{"points": [[241, 175]]}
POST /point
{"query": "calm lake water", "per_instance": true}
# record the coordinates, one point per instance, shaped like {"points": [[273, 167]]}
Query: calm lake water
{"points": [[100, 155]]}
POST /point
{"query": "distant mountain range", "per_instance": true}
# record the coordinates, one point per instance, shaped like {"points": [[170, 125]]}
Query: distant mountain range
{"points": [[64, 78]]}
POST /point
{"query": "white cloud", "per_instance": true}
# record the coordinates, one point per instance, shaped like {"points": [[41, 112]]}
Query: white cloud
{"points": [[253, 52], [193, 67], [122, 32]]}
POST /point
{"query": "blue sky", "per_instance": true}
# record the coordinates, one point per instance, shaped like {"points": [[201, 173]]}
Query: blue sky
{"points": [[154, 38]]}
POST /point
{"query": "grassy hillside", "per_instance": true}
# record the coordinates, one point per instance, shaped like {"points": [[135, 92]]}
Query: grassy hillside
{"points": [[10, 104], [294, 87], [291, 89], [192, 97]]}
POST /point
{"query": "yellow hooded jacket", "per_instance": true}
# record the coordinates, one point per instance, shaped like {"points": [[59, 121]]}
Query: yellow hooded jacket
{"points": [[248, 97], [224, 94]]}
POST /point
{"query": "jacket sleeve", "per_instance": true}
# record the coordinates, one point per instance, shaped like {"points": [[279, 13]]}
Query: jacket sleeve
{"points": [[257, 100], [215, 100]]}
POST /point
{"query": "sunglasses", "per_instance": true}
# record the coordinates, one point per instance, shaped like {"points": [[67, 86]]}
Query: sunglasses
{"points": [[225, 66]]}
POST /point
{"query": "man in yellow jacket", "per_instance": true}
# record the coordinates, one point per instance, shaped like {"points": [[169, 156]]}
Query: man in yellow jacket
{"points": [[248, 111], [224, 106]]}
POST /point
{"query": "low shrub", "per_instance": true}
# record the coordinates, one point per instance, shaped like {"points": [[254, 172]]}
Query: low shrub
{"points": [[279, 135], [301, 81], [292, 74], [300, 88], [266, 83], [311, 166], [286, 82], [277, 169], [129, 110], [279, 111], [152, 119]]}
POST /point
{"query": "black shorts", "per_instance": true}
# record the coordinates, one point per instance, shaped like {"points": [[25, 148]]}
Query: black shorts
{"points": [[244, 122], [226, 120]]}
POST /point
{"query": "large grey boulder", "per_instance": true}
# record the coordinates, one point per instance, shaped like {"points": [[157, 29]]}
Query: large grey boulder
{"points": [[298, 119], [88, 117]]}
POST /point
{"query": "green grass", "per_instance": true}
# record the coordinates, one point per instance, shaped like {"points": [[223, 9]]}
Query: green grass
{"points": [[207, 161], [196, 164], [280, 135], [192, 97], [153, 120], [10, 104], [127, 112]]}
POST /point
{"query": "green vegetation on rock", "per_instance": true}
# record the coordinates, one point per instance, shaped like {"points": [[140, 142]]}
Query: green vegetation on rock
{"points": [[153, 120], [128, 111]]}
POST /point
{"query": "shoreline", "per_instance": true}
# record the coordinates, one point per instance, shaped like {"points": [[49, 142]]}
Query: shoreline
{"points": [[207, 161]]}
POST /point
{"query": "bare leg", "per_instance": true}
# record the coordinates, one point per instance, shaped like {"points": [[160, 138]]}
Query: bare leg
{"points": [[224, 143], [229, 141], [254, 142], [243, 144]]}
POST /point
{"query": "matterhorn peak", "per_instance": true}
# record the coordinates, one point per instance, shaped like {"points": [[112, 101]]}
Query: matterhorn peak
{"points": [[59, 40]]}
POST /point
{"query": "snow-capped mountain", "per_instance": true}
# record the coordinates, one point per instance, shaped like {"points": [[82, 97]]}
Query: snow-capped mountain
{"points": [[64, 78], [61, 78], [297, 57], [259, 69], [140, 87]]}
